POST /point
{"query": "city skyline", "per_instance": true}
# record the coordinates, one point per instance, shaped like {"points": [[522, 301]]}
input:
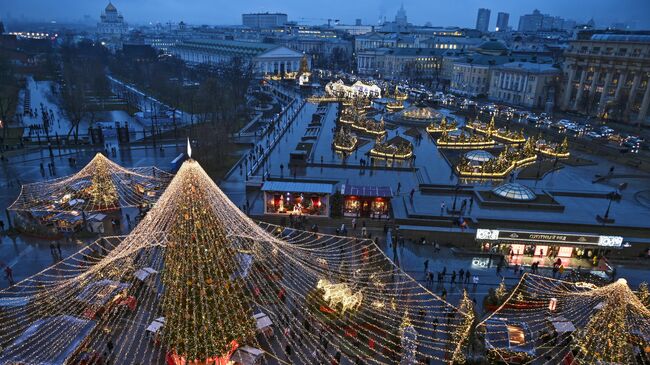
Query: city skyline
{"points": [[420, 12]]}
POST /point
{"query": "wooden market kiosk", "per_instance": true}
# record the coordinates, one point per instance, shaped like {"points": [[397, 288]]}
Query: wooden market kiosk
{"points": [[572, 249]]}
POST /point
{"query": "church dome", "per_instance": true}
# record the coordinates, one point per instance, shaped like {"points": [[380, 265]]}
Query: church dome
{"points": [[110, 7]]}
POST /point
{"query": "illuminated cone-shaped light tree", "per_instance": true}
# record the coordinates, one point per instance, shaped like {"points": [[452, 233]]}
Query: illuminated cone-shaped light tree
{"points": [[102, 191], [206, 311], [605, 337]]}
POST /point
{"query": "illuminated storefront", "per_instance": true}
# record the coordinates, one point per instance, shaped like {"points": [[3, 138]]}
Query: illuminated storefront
{"points": [[297, 198], [519, 245], [366, 201]]}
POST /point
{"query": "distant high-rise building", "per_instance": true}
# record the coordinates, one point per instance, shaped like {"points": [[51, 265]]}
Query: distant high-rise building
{"points": [[264, 20], [537, 21], [483, 19], [357, 22], [2, 27], [531, 22], [502, 22], [400, 17]]}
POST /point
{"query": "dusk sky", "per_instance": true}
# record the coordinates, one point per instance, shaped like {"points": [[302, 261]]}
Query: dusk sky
{"points": [[454, 12]]}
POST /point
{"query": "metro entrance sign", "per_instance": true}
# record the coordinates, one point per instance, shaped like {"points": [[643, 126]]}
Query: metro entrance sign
{"points": [[548, 237]]}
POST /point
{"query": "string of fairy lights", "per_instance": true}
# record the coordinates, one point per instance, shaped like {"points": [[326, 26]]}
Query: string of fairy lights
{"points": [[214, 268], [101, 185], [186, 284], [555, 321]]}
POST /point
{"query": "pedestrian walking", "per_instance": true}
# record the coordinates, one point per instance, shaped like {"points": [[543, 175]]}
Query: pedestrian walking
{"points": [[354, 224], [9, 274], [411, 194], [461, 274], [52, 249], [399, 187], [444, 272], [453, 277], [467, 275], [474, 281], [426, 265], [58, 248]]}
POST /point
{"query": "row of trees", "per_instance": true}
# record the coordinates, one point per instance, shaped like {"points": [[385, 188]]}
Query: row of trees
{"points": [[8, 93], [82, 80]]}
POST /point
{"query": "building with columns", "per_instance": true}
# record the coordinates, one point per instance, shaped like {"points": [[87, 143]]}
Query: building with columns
{"points": [[607, 75], [265, 58]]}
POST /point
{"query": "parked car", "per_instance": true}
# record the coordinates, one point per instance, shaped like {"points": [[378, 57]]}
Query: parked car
{"points": [[594, 135]]}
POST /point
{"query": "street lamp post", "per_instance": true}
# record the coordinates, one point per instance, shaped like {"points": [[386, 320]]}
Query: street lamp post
{"points": [[605, 218]]}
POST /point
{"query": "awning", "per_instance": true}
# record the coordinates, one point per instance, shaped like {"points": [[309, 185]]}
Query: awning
{"points": [[144, 273], [14, 302], [564, 327], [367, 191], [67, 332], [156, 325], [262, 321], [298, 187]]}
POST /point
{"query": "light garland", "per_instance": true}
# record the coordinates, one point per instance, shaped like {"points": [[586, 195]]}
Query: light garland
{"points": [[217, 268], [100, 186], [572, 321]]}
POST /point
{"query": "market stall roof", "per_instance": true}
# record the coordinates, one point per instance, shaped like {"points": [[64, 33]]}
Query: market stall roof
{"points": [[144, 273], [247, 355], [262, 320], [48, 331], [367, 191], [298, 187], [13, 302], [500, 334], [563, 326], [156, 325], [101, 291]]}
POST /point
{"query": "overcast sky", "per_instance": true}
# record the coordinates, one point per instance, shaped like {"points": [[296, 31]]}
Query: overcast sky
{"points": [[438, 12]]}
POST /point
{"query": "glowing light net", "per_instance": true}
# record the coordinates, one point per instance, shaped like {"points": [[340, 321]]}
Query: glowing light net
{"points": [[550, 321], [185, 284], [101, 185]]}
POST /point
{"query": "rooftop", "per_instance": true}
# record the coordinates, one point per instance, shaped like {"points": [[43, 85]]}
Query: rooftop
{"points": [[530, 67], [632, 38]]}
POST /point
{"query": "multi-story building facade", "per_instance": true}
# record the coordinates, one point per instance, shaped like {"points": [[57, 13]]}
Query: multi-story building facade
{"points": [[470, 76], [264, 58], [483, 20], [384, 40], [523, 83], [502, 22], [264, 20], [471, 73], [608, 75], [453, 43], [413, 63], [537, 21]]}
